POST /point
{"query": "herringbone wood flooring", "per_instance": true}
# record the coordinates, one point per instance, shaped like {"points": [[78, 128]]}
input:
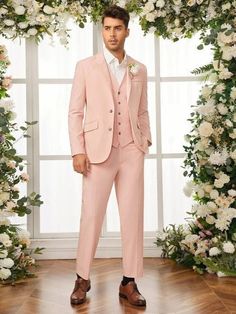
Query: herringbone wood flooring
{"points": [[167, 287]]}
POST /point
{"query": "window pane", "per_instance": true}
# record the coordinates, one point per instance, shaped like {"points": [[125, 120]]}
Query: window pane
{"points": [[150, 201], [53, 113], [18, 95], [16, 53], [141, 47], [57, 61], [176, 99], [60, 188], [181, 57], [175, 203]]}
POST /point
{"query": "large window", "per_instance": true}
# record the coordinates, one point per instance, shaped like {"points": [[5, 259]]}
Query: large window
{"points": [[41, 91]]}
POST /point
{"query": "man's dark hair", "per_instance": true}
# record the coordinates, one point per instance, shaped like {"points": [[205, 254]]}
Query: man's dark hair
{"points": [[116, 12]]}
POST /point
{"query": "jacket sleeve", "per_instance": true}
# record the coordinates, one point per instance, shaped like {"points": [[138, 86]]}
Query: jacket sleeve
{"points": [[143, 115], [76, 111]]}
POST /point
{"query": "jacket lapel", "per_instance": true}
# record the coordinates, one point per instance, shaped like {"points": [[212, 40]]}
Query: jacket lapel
{"points": [[128, 80]]}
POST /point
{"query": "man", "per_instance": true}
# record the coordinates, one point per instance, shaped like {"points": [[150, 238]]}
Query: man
{"points": [[109, 147]]}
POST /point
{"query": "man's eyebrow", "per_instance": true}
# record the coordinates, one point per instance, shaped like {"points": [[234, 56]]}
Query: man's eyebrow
{"points": [[114, 26]]}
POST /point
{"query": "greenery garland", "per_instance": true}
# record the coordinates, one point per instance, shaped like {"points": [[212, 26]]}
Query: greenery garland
{"points": [[208, 241], [15, 254]]}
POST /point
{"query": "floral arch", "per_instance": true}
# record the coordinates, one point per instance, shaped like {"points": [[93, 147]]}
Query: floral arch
{"points": [[208, 241]]}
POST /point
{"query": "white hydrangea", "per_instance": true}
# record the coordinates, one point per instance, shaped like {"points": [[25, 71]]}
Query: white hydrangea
{"points": [[6, 262], [4, 273], [214, 251], [5, 239], [228, 247], [218, 158]]}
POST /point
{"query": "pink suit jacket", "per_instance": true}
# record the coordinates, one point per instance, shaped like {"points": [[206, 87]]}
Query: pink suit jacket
{"points": [[91, 108]]}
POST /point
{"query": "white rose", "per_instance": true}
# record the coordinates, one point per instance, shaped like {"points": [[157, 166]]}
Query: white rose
{"points": [[24, 237], [232, 192], [160, 3], [228, 123], [4, 221], [233, 93], [210, 219], [222, 109], [226, 6], [5, 239], [233, 154], [4, 273], [47, 9], [4, 196], [150, 17], [208, 188], [205, 129], [6, 262], [191, 2], [212, 205], [20, 10], [233, 135], [214, 251], [3, 253], [32, 31], [22, 25], [214, 194], [3, 11], [228, 247], [8, 22]]}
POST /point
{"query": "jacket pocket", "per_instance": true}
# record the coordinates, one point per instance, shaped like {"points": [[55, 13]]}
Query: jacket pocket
{"points": [[89, 126]]}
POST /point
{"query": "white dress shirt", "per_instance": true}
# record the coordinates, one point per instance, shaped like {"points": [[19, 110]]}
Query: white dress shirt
{"points": [[118, 69]]}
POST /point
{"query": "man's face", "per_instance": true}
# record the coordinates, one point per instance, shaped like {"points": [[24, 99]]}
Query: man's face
{"points": [[114, 33]]}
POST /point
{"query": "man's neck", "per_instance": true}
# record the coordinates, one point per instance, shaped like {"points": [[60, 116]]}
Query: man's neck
{"points": [[118, 54]]}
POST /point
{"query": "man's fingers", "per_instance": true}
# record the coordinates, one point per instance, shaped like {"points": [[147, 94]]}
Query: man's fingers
{"points": [[87, 164]]}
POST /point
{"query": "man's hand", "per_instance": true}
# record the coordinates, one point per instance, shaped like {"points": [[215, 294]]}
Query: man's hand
{"points": [[81, 163]]}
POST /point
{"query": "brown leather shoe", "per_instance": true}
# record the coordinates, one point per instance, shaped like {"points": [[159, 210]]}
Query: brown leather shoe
{"points": [[131, 293], [78, 295]]}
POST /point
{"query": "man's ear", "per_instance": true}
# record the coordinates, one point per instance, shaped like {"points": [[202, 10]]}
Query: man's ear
{"points": [[127, 34]]}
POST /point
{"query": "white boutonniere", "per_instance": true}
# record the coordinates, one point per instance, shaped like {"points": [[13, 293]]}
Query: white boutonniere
{"points": [[133, 69]]}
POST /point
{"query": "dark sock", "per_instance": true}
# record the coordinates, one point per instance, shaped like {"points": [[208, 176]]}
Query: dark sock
{"points": [[126, 280]]}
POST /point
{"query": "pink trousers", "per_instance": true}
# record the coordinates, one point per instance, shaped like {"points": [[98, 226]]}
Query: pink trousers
{"points": [[124, 167]]}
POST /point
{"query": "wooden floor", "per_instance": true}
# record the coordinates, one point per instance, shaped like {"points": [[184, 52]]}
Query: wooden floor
{"points": [[167, 287]]}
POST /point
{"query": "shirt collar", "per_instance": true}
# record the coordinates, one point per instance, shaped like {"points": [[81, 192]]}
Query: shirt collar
{"points": [[110, 58]]}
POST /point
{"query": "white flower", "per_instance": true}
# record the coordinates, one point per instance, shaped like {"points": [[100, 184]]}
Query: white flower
{"points": [[8, 22], [220, 88], [7, 104], [218, 158], [214, 251], [160, 3], [150, 17], [47, 9], [205, 129], [232, 192], [233, 135], [22, 25], [4, 196], [228, 123], [5, 239], [206, 91], [32, 31], [3, 253], [25, 177], [6, 262], [162, 235], [226, 6], [4, 273], [4, 221], [133, 68], [225, 74], [188, 188], [20, 10], [221, 274], [222, 109], [3, 11], [233, 93], [24, 237], [210, 219], [191, 2], [228, 247], [212, 205]]}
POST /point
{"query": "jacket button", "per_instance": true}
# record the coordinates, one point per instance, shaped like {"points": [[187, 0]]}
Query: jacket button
{"points": [[111, 111], [109, 129], [119, 93]]}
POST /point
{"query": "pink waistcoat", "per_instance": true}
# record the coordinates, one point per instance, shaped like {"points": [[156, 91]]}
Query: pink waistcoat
{"points": [[122, 134]]}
